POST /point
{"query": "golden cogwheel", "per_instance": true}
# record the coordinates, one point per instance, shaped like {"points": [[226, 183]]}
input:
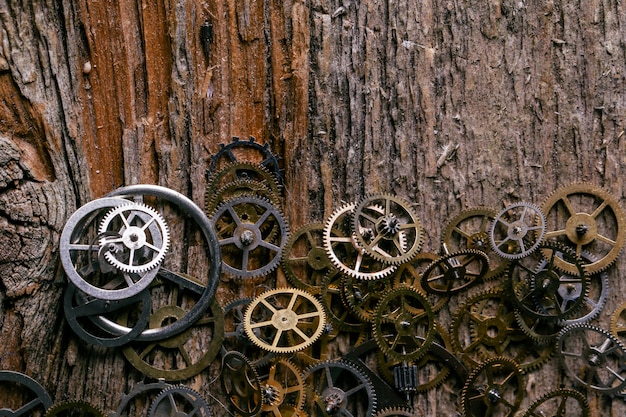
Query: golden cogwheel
{"points": [[560, 403], [284, 320], [282, 389], [588, 218]]}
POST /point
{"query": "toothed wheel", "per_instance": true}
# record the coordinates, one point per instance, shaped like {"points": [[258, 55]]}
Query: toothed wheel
{"points": [[282, 389], [396, 412], [618, 322], [338, 389], [363, 296], [593, 358], [517, 230], [241, 188], [179, 401], [455, 272], [132, 404], [387, 229], [284, 320], [495, 388], [587, 218], [74, 409], [560, 403], [33, 396], [410, 274], [241, 385]]}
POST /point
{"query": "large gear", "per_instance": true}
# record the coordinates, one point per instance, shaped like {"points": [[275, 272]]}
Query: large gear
{"points": [[179, 401], [284, 320], [34, 398], [495, 388], [517, 230], [455, 272], [593, 358], [73, 409], [132, 404], [561, 402], [282, 389], [587, 218], [240, 383], [336, 388], [387, 228]]}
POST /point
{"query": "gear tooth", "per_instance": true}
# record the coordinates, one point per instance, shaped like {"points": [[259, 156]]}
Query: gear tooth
{"points": [[561, 392]]}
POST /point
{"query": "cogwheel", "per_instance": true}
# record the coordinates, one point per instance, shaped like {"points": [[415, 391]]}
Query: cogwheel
{"points": [[138, 395], [30, 391], [179, 401], [332, 298], [410, 274], [240, 383], [393, 236], [135, 238], [470, 230], [239, 188], [593, 358], [589, 218], [344, 251], [495, 388], [282, 389], [284, 320], [542, 330], [618, 322], [455, 272], [74, 408], [363, 296], [517, 230], [561, 403], [396, 412], [597, 293]]}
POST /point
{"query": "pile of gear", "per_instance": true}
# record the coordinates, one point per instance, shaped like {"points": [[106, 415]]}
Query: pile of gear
{"points": [[354, 327]]}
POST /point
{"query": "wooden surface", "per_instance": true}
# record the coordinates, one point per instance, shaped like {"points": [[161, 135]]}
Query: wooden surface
{"points": [[448, 104]]}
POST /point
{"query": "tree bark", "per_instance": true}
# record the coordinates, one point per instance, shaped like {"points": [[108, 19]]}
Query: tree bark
{"points": [[447, 104]]}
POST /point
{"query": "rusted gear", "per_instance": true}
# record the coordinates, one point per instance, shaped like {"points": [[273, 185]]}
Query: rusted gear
{"points": [[495, 388], [618, 322], [560, 403], [588, 218], [338, 388], [179, 401], [282, 389], [455, 272], [74, 408], [517, 230], [245, 229], [410, 274], [391, 235], [305, 261], [485, 327], [539, 289], [241, 188], [344, 251], [284, 320], [362, 297], [404, 324], [593, 358], [240, 383], [470, 230]]}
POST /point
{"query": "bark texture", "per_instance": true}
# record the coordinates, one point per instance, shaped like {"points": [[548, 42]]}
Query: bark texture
{"points": [[449, 104]]}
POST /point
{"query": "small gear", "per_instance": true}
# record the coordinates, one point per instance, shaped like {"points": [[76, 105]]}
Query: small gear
{"points": [[241, 385], [517, 230], [337, 312], [618, 322], [363, 296], [396, 412], [597, 293], [560, 403], [542, 330], [74, 408], [239, 171], [179, 401], [241, 188], [284, 320], [282, 389], [410, 274], [454, 272], [131, 403]]}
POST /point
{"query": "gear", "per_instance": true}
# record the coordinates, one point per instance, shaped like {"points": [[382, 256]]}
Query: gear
{"points": [[245, 227], [241, 188], [282, 389], [344, 251], [396, 412], [363, 296], [391, 235], [594, 301], [542, 330], [517, 230], [593, 358], [455, 272], [588, 218], [34, 396], [410, 274], [284, 320], [74, 408], [404, 324], [131, 403], [560, 403], [338, 388], [618, 322], [338, 314], [495, 388], [470, 230], [240, 383], [305, 262], [179, 401]]}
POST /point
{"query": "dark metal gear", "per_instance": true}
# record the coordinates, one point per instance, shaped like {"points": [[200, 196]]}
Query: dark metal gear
{"points": [[133, 403], [470, 230], [241, 188], [542, 330], [561, 402], [517, 230], [410, 274], [495, 388], [339, 316], [396, 412], [337, 388], [74, 409], [252, 234], [387, 228], [587, 218], [240, 383], [179, 401], [597, 293], [593, 358], [34, 397], [455, 272]]}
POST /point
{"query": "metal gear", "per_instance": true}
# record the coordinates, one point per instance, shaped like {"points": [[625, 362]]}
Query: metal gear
{"points": [[133, 402], [410, 274], [587, 218], [245, 228], [241, 188], [34, 396], [404, 324], [282, 389], [470, 230], [284, 320], [542, 330], [179, 401], [73, 409], [339, 316], [454, 272], [363, 296], [240, 383], [593, 358], [560, 403], [391, 235], [339, 389], [618, 322], [344, 251], [396, 412], [495, 388], [517, 230]]}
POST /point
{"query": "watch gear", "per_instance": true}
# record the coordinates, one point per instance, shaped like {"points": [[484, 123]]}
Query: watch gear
{"points": [[240, 383], [618, 322], [396, 412], [337, 312], [517, 230], [410, 274], [132, 404], [282, 389], [74, 408], [179, 401], [454, 272], [362, 296], [284, 320], [561, 402], [34, 397], [587, 218]]}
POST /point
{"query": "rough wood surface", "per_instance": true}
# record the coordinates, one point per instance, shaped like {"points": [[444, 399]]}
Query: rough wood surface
{"points": [[449, 104]]}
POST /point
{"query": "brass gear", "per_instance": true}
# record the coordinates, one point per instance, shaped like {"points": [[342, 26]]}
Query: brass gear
{"points": [[282, 389], [284, 320], [618, 322], [73, 408], [240, 383], [363, 296], [339, 316], [241, 188], [561, 402], [589, 218]]}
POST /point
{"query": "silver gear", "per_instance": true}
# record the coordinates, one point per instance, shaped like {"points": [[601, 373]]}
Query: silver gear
{"points": [[517, 230]]}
